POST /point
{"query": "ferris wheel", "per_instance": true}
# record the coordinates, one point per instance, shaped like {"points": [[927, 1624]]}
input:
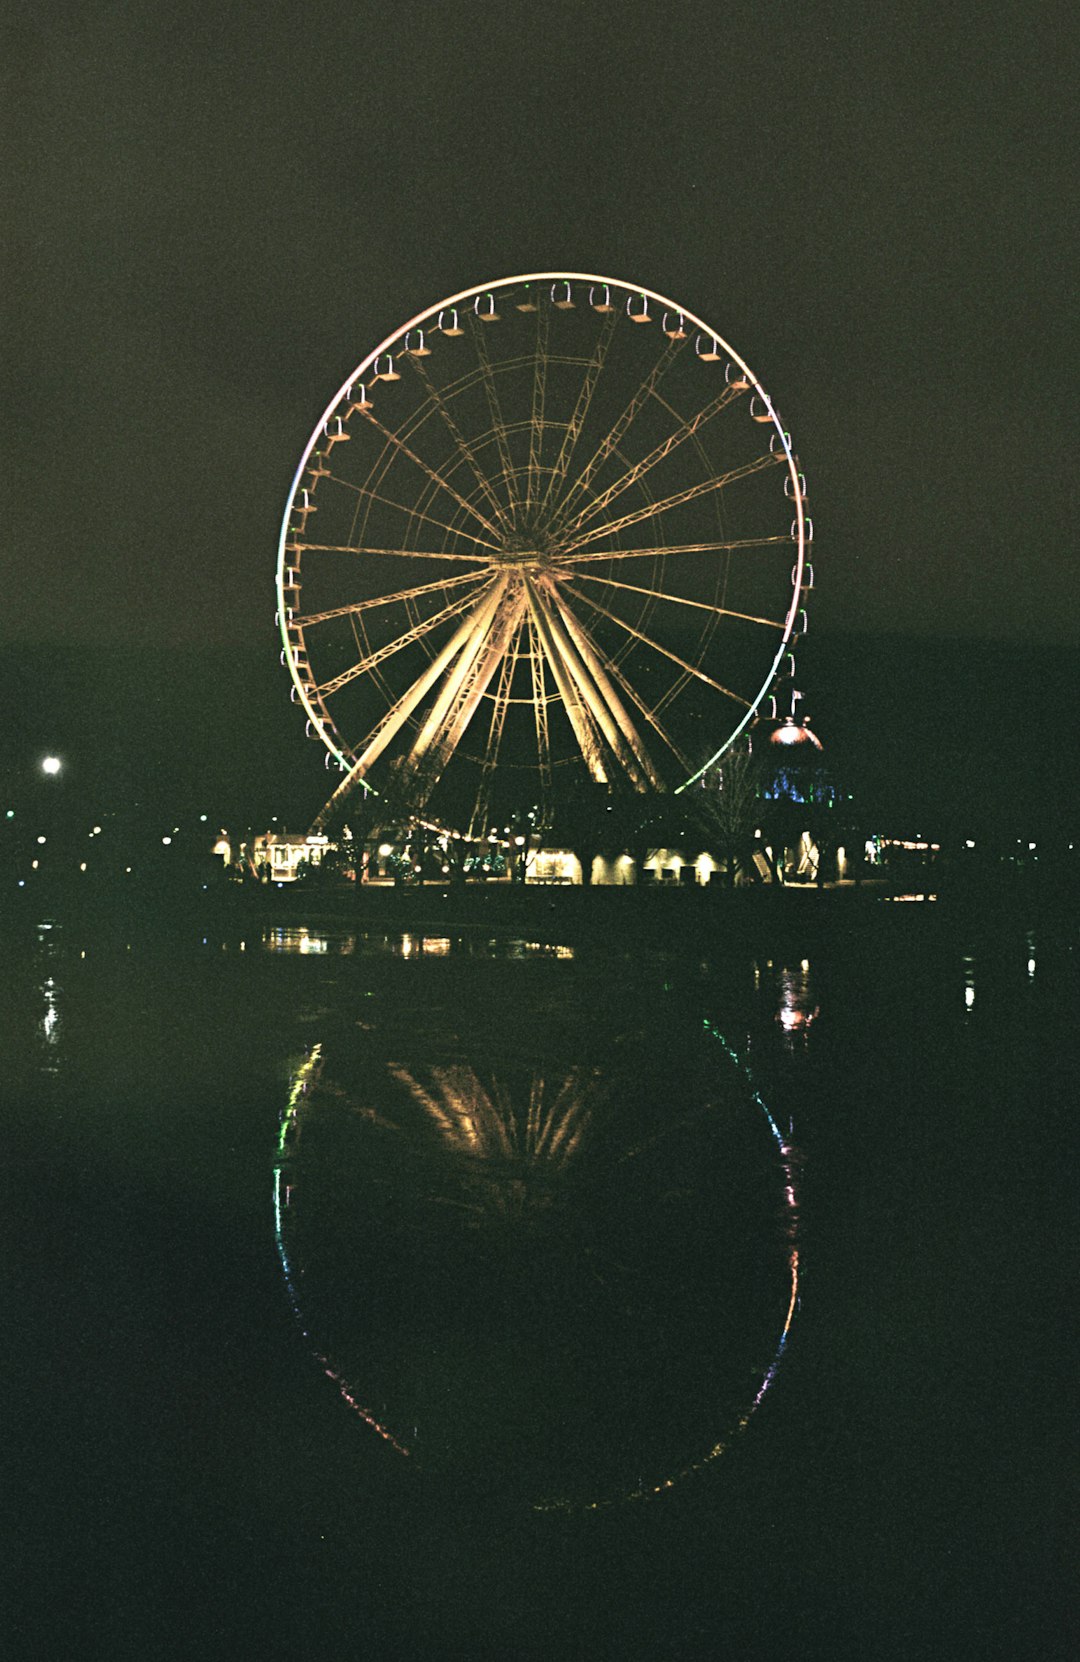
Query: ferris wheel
{"points": [[550, 530]]}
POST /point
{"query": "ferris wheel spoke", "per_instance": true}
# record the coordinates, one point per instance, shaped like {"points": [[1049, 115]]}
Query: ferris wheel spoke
{"points": [[412, 513], [495, 411], [581, 410], [391, 553], [599, 669], [647, 640], [679, 600], [662, 550], [501, 703], [686, 430], [616, 433], [461, 444], [690, 494], [539, 396], [358, 606], [435, 478], [419, 630]]}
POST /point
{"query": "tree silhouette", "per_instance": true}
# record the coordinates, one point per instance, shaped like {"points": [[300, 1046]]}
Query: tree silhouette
{"points": [[726, 806]]}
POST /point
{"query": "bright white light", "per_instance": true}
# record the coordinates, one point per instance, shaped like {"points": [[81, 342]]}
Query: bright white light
{"points": [[1031, 846], [385, 850], [41, 839], [51, 764], [968, 843], [166, 841], [969, 996]]}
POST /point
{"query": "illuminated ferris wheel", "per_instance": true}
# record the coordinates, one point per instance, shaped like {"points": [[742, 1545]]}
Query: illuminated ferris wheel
{"points": [[551, 530]]}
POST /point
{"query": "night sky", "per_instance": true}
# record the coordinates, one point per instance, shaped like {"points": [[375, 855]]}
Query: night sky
{"points": [[211, 215]]}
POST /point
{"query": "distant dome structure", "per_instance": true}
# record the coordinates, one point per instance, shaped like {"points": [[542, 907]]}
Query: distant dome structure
{"points": [[793, 734]]}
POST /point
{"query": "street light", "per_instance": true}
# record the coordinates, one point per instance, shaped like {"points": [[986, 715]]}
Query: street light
{"points": [[51, 764]]}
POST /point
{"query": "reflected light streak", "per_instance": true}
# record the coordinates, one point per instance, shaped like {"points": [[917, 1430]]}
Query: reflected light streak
{"points": [[51, 1021], [51, 1018], [305, 1076], [305, 941], [797, 1012], [427, 946]]}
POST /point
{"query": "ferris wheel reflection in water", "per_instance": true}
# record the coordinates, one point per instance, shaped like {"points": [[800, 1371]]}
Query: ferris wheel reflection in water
{"points": [[485, 1261]]}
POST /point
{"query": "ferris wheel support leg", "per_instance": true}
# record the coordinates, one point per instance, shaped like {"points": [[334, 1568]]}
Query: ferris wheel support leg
{"points": [[577, 712], [351, 782], [591, 693], [540, 717], [382, 734], [481, 621], [591, 656], [507, 671], [428, 768]]}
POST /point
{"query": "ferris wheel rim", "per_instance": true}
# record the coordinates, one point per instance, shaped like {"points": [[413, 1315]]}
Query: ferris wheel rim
{"points": [[801, 530]]}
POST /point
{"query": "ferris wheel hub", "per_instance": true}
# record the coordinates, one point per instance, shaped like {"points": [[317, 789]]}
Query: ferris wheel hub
{"points": [[532, 550]]}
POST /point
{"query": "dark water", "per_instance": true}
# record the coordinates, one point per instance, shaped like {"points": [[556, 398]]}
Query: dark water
{"points": [[441, 1295]]}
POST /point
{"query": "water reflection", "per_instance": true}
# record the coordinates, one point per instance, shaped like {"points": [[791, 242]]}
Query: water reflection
{"points": [[791, 987], [563, 1271], [513, 1140], [436, 946], [410, 944], [969, 980], [306, 941], [50, 1027]]}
